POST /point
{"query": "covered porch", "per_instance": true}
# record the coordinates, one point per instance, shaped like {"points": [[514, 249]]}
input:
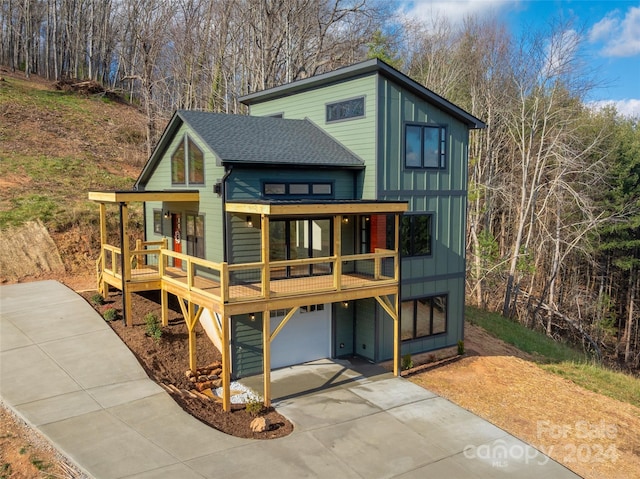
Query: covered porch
{"points": [[226, 289]]}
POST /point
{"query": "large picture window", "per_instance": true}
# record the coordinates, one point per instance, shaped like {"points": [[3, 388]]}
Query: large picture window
{"points": [[423, 317], [345, 110], [297, 189], [416, 235], [187, 157], [425, 146]]}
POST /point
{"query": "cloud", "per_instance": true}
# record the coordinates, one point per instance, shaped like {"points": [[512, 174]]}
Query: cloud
{"points": [[455, 11], [620, 36], [629, 107]]}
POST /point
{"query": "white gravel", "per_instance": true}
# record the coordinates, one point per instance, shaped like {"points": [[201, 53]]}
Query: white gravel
{"points": [[240, 394]]}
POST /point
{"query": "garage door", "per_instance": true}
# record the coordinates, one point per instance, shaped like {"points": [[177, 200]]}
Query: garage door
{"points": [[306, 337]]}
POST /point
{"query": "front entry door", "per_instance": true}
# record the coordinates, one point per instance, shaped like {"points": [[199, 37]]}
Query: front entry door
{"points": [[176, 232]]}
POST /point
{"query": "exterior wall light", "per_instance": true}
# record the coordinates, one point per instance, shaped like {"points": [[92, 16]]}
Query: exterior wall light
{"points": [[249, 222]]}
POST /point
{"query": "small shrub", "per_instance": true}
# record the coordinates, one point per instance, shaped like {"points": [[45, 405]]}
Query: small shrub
{"points": [[110, 314], [460, 347], [152, 326], [407, 362], [97, 299], [254, 406]]}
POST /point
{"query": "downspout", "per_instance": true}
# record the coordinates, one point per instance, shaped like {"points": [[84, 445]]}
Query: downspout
{"points": [[229, 170]]}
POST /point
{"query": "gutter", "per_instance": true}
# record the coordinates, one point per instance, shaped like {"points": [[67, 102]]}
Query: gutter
{"points": [[229, 170]]}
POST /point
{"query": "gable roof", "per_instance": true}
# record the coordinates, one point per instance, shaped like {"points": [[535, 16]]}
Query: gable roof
{"points": [[367, 67], [252, 140]]}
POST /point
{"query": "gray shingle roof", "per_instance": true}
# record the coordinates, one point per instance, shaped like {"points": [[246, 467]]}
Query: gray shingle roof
{"points": [[255, 140]]}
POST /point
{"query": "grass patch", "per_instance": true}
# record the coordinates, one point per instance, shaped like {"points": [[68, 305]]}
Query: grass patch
{"points": [[558, 358], [524, 339], [603, 381]]}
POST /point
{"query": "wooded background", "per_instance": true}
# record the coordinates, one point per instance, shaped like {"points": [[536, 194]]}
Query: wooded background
{"points": [[554, 190]]}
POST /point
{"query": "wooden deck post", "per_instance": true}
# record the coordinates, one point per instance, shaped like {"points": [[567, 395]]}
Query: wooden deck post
{"points": [[396, 323], [264, 254], [226, 366], [103, 286], [337, 252], [266, 356], [125, 264]]}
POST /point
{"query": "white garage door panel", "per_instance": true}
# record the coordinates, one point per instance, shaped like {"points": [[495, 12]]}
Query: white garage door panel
{"points": [[306, 337]]}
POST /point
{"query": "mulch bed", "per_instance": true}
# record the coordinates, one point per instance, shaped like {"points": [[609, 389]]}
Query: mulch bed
{"points": [[167, 360]]}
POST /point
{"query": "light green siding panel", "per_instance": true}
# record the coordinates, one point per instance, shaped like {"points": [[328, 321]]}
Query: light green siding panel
{"points": [[210, 203], [358, 135]]}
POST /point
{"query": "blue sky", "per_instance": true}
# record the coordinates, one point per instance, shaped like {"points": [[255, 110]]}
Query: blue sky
{"points": [[610, 30]]}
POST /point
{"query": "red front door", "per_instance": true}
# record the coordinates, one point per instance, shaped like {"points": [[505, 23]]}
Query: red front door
{"points": [[176, 229]]}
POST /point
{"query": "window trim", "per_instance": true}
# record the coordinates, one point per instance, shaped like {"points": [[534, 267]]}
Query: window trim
{"points": [[414, 318], [412, 235], [186, 236], [442, 145], [345, 100]]}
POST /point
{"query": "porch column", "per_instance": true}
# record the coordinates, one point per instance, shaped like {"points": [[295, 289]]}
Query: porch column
{"points": [[103, 286], [397, 350], [264, 254], [125, 264], [226, 366], [266, 356], [337, 252]]}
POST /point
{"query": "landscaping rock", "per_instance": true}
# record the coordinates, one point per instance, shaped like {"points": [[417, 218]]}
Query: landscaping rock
{"points": [[260, 424]]}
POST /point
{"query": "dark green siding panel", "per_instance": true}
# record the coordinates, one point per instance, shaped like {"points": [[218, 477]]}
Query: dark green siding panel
{"points": [[385, 335], [365, 330], [246, 346], [344, 324], [247, 184], [455, 314]]}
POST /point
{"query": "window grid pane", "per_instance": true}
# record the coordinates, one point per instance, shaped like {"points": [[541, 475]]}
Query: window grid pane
{"points": [[178, 166], [196, 163]]}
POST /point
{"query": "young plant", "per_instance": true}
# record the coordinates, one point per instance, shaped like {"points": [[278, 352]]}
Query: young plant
{"points": [[110, 314], [407, 362], [254, 406], [97, 299], [152, 326], [460, 347]]}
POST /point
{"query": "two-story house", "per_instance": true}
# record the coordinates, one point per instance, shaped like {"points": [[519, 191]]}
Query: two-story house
{"points": [[328, 223]]}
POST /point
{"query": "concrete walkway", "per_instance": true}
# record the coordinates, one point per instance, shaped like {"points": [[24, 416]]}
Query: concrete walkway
{"points": [[65, 372]]}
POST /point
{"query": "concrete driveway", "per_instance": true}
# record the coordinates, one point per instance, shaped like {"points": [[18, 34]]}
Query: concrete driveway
{"points": [[96, 405]]}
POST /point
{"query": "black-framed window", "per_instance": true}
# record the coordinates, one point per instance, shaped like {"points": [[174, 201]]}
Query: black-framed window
{"points": [[416, 235], [157, 221], [345, 109], [187, 157], [423, 317], [425, 146], [297, 189], [195, 235]]}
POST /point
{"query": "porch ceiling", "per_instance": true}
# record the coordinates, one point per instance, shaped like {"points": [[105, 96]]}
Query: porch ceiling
{"points": [[320, 208], [133, 196]]}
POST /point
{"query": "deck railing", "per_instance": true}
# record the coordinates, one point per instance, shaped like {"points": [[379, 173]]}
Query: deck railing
{"points": [[230, 283]]}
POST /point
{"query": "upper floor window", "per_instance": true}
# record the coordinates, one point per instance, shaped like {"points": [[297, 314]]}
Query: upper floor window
{"points": [[415, 235], [425, 146], [191, 161], [345, 109]]}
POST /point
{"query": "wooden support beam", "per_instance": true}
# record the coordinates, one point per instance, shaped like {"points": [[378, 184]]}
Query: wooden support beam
{"points": [[266, 356], [337, 252], [282, 323], [264, 254], [226, 364]]}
